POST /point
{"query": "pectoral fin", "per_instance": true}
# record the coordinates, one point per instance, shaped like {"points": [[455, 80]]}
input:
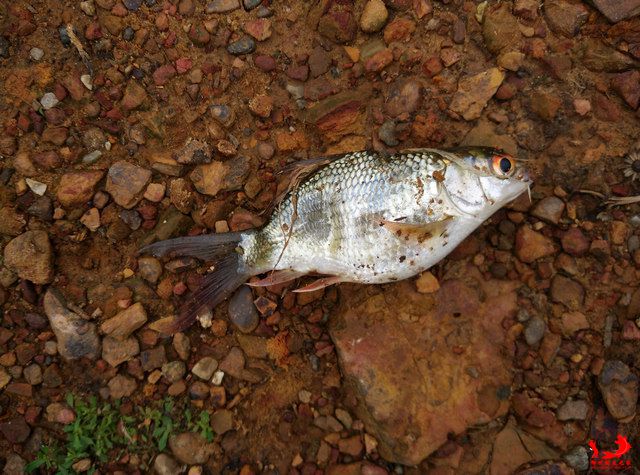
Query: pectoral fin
{"points": [[320, 284], [417, 231], [276, 277]]}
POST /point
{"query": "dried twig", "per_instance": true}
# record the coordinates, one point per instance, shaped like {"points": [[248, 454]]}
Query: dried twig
{"points": [[81, 51], [622, 200]]}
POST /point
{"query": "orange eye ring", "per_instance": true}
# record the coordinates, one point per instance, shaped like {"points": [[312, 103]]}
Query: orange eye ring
{"points": [[503, 165]]}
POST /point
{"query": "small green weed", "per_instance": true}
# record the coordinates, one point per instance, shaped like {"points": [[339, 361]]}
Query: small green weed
{"points": [[100, 433]]}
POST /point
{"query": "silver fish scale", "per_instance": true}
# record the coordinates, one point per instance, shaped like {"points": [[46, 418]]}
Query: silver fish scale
{"points": [[339, 209]]}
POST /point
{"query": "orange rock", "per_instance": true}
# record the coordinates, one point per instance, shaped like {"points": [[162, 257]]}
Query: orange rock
{"points": [[408, 357]]}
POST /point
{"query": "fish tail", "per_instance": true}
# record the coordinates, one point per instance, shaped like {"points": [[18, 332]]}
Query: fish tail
{"points": [[229, 271]]}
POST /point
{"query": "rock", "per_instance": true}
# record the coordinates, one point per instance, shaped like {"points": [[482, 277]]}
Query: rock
{"points": [[173, 371], [155, 192], [573, 411], [627, 85], [387, 133], [165, 465], [545, 104], [319, 62], [250, 4], [298, 72], [48, 160], [338, 25], [534, 331], [212, 178], [15, 465], [582, 106], [222, 421], [567, 291], [15, 430], [374, 16], [513, 447], [33, 374], [352, 446], [222, 6], [125, 322], [617, 10], [242, 311], [205, 368], [261, 105], [511, 60], [404, 98], [132, 5], [531, 245], [474, 92], [11, 222], [378, 61], [49, 100], [619, 388], [260, 28], [5, 378], [484, 133], [76, 337], [339, 115], [30, 255], [429, 393], [149, 269], [565, 17], [500, 29], [116, 351], [134, 96], [153, 358], [574, 242], [199, 35], [399, 30], [244, 45], [191, 448], [126, 183], [76, 188], [121, 386], [182, 345], [573, 322], [427, 283], [193, 152], [549, 209], [233, 363], [265, 63], [597, 56], [164, 74]]}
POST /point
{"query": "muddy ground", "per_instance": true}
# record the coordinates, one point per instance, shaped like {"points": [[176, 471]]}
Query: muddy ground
{"points": [[128, 121]]}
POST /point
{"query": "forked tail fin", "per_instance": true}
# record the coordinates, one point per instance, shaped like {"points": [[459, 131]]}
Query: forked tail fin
{"points": [[220, 250]]}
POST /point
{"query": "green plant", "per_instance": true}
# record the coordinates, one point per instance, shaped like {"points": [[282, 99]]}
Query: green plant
{"points": [[100, 432]]}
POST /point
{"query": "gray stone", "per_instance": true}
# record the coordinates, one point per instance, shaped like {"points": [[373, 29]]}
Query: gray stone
{"points": [[49, 100], [242, 311], [173, 371], [244, 45], [534, 331], [76, 337], [573, 410], [205, 367]]}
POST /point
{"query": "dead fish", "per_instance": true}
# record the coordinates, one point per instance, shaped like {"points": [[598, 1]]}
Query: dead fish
{"points": [[359, 217]]}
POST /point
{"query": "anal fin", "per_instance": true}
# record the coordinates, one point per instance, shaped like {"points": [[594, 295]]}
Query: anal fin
{"points": [[277, 277], [320, 283]]}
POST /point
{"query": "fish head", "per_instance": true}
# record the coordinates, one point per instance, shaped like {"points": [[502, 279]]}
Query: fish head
{"points": [[480, 180]]}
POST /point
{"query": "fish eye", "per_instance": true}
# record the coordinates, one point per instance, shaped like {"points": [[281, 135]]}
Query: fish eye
{"points": [[503, 165]]}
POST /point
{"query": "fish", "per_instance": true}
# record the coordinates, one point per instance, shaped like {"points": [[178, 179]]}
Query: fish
{"points": [[359, 217]]}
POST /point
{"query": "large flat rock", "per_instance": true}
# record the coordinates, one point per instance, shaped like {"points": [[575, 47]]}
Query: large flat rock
{"points": [[423, 366]]}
